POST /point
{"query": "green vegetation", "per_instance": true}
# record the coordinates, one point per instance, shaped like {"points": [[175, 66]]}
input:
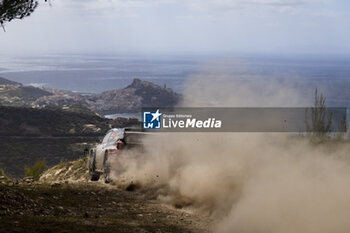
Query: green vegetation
{"points": [[20, 96], [71, 107], [20, 121], [27, 93], [17, 152], [36, 170]]}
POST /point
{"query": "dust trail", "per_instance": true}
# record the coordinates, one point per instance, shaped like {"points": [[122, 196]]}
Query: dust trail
{"points": [[251, 183]]}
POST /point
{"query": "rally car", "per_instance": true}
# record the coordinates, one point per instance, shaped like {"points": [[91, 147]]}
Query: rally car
{"points": [[112, 145]]}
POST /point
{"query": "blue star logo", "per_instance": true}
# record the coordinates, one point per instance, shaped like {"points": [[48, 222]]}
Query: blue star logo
{"points": [[151, 120]]}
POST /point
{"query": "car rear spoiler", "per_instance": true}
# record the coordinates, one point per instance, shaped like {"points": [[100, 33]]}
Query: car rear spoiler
{"points": [[134, 136]]}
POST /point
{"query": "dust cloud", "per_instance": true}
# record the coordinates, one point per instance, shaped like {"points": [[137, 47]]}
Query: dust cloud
{"points": [[248, 182]]}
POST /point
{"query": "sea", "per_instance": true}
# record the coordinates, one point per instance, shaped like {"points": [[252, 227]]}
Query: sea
{"points": [[99, 73]]}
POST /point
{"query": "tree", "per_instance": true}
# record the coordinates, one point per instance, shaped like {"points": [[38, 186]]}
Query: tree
{"points": [[321, 119], [16, 9]]}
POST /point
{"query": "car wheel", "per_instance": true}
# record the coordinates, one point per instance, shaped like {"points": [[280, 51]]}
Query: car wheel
{"points": [[106, 168], [94, 176]]}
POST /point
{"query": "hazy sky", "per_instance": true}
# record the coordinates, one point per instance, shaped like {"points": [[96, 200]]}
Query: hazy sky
{"points": [[182, 26]]}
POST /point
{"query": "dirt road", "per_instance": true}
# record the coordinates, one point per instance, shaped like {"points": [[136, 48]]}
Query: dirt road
{"points": [[89, 207]]}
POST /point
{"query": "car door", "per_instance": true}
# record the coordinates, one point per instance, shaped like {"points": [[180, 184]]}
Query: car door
{"points": [[100, 150]]}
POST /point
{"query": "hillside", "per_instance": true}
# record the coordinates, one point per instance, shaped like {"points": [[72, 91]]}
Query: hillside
{"points": [[28, 93], [4, 81], [27, 135], [20, 96], [17, 152], [20, 121]]}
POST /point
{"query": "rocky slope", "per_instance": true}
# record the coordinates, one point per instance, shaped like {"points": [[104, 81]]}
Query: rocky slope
{"points": [[71, 171]]}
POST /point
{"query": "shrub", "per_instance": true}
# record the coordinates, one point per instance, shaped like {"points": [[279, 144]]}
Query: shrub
{"points": [[343, 129], [321, 118], [36, 170], [2, 172]]}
